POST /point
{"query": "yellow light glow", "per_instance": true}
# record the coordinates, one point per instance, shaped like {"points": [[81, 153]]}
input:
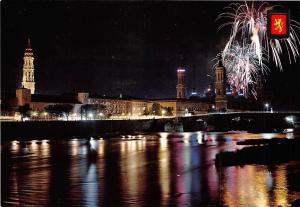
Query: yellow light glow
{"points": [[34, 145], [15, 145]]}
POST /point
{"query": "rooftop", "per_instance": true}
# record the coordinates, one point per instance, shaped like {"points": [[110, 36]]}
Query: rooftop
{"points": [[54, 98]]}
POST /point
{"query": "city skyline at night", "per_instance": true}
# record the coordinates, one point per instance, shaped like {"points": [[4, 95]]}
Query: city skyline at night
{"points": [[125, 49], [150, 103]]}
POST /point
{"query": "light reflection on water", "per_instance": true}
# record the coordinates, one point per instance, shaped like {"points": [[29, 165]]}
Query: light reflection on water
{"points": [[153, 170]]}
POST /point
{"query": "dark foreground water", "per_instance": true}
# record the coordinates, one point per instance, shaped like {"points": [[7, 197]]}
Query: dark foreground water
{"points": [[150, 170]]}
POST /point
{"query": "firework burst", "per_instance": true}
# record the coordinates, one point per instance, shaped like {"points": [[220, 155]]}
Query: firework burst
{"points": [[242, 63], [249, 22], [249, 26]]}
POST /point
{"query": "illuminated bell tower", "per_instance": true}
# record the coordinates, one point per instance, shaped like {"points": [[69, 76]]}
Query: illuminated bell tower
{"points": [[220, 71], [28, 69], [180, 87]]}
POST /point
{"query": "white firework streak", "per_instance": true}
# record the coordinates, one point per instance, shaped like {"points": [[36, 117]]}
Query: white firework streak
{"points": [[249, 22], [243, 67]]}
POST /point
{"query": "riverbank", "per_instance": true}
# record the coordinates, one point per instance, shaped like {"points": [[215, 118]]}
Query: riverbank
{"points": [[251, 122], [27, 130], [264, 151]]}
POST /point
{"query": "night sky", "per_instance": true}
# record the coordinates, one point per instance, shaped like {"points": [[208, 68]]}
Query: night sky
{"points": [[131, 48]]}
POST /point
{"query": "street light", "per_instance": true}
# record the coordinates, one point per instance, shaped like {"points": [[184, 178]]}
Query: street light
{"points": [[289, 119], [267, 106], [186, 112], [74, 116]]}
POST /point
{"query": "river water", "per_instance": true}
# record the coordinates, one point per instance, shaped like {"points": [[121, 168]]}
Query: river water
{"points": [[160, 169]]}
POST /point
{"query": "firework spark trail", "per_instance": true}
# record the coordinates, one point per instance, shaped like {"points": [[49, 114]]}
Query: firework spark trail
{"points": [[250, 23], [241, 63]]}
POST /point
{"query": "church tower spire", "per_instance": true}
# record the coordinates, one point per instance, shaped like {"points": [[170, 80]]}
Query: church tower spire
{"points": [[180, 87], [220, 72], [28, 44], [28, 69]]}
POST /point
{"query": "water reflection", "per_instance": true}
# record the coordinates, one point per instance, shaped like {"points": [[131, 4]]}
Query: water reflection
{"points": [[148, 170], [164, 168], [29, 175], [133, 172], [258, 184], [90, 186], [281, 191]]}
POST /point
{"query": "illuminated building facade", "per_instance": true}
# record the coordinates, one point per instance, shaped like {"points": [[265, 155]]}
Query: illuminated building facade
{"points": [[23, 96], [139, 107], [38, 102], [113, 106], [180, 87], [28, 69], [185, 107], [116, 106], [119, 106]]}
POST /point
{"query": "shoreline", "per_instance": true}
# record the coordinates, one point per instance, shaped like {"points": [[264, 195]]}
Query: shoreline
{"points": [[263, 151], [255, 123]]}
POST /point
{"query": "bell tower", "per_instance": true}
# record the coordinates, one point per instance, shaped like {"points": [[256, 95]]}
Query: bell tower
{"points": [[180, 87], [28, 69], [220, 72]]}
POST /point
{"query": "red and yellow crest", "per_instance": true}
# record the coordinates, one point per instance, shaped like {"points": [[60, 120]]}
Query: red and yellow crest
{"points": [[278, 25]]}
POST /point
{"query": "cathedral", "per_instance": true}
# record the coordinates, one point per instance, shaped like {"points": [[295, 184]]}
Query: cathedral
{"points": [[118, 106]]}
